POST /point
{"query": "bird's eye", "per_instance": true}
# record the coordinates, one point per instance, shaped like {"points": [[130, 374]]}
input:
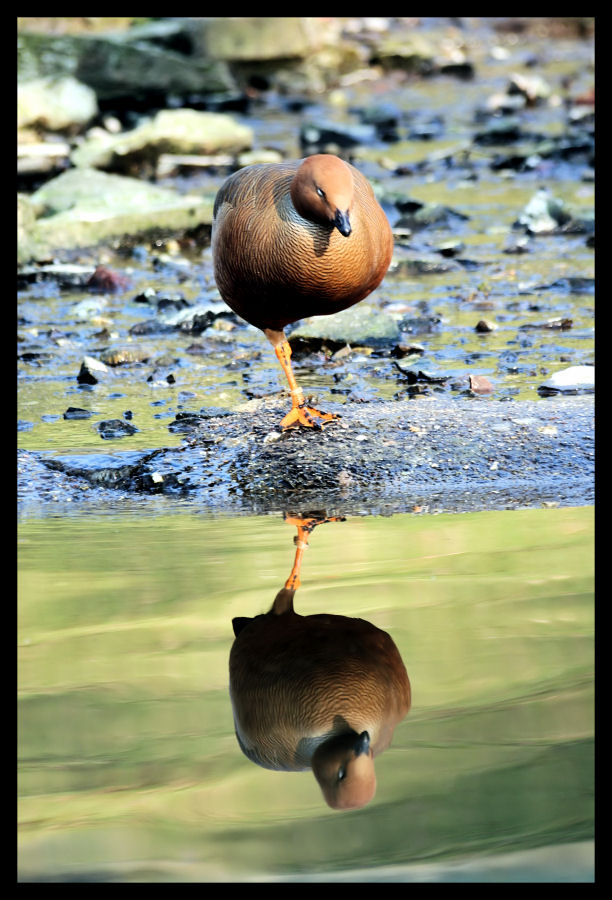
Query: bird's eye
{"points": [[341, 773], [320, 192]]}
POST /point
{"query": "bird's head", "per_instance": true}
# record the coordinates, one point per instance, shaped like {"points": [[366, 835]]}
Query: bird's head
{"points": [[322, 191], [344, 767]]}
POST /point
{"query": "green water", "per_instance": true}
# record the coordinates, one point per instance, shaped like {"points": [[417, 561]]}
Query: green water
{"points": [[128, 764]]}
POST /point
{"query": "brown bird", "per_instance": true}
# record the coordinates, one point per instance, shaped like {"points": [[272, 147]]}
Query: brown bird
{"points": [[323, 692], [291, 240]]}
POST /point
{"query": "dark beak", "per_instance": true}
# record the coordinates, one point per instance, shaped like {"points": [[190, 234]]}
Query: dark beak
{"points": [[342, 223], [362, 744]]}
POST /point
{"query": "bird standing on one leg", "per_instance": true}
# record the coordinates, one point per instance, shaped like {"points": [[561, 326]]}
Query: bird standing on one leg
{"points": [[292, 240]]}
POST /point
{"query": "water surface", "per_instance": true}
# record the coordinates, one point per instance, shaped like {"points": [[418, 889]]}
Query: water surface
{"points": [[129, 769]]}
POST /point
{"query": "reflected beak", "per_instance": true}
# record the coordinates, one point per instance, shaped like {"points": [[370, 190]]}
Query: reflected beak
{"points": [[362, 744]]}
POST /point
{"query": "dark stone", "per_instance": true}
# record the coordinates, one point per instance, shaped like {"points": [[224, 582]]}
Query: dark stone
{"points": [[75, 412], [115, 428], [150, 326], [316, 137], [413, 377]]}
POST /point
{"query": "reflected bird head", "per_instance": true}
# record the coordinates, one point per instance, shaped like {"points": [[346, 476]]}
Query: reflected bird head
{"points": [[344, 767]]}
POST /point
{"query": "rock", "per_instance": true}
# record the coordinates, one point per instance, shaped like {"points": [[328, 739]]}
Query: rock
{"points": [[149, 327], [484, 326], [259, 155], [502, 104], [121, 356], [29, 244], [359, 325], [120, 65], [160, 377], [421, 265], [561, 322], [84, 207], [420, 376], [521, 244], [543, 214], [412, 51], [419, 324], [533, 88], [385, 118], [75, 412], [316, 137], [571, 284], [480, 385], [418, 216], [105, 280], [67, 276], [42, 158], [55, 103], [194, 319], [407, 348], [35, 357], [171, 131], [557, 148], [115, 428], [86, 309], [572, 380], [250, 38], [450, 248], [426, 127], [91, 371], [500, 131], [408, 50]]}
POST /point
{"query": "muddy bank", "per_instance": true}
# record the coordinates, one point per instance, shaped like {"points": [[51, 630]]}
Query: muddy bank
{"points": [[425, 455]]}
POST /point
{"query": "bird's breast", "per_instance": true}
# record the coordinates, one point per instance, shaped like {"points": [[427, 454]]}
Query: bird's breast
{"points": [[275, 253]]}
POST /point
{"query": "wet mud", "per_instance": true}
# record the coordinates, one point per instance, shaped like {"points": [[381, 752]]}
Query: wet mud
{"points": [[424, 455]]}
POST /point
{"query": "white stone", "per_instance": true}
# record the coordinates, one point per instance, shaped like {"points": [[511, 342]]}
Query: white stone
{"points": [[571, 379]]}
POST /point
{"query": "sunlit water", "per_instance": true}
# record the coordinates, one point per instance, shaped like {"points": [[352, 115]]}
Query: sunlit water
{"points": [[129, 769]]}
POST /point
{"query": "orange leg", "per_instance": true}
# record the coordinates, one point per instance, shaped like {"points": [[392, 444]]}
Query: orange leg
{"points": [[300, 414]]}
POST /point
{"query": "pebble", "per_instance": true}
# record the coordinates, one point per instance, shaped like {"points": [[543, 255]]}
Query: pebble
{"points": [[91, 369], [484, 326], [115, 428], [272, 437], [480, 385], [119, 356], [85, 309], [75, 412]]}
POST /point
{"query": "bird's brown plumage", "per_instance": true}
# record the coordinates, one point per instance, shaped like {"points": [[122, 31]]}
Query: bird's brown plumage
{"points": [[292, 240]]}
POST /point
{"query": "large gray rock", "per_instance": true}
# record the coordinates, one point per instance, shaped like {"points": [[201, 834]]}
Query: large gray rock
{"points": [[170, 131], [248, 38], [360, 325], [82, 207], [119, 64]]}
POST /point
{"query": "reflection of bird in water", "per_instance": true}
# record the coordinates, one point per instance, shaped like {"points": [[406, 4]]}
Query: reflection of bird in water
{"points": [[298, 239], [322, 691]]}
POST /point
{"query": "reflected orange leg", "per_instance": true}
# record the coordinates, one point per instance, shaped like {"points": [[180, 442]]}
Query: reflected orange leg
{"points": [[300, 414], [304, 528]]}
